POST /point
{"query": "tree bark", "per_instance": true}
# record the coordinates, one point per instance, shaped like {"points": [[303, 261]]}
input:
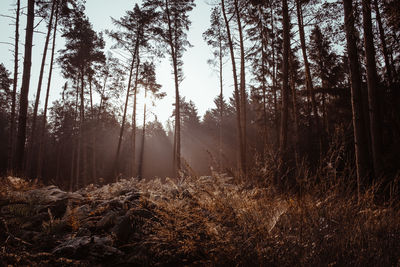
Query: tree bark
{"points": [[44, 122], [285, 82], [373, 86], [11, 144], [236, 86], [121, 133], [133, 167], [360, 137], [309, 83], [31, 168], [177, 138], [141, 161], [243, 96], [23, 109]]}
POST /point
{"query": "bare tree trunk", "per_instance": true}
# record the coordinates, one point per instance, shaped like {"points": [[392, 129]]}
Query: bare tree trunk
{"points": [[360, 137], [141, 161], [30, 167], [294, 110], [309, 83], [285, 81], [134, 121], [121, 133], [11, 143], [243, 96], [44, 122], [177, 138], [274, 86], [236, 86], [221, 108], [373, 84], [26, 76]]}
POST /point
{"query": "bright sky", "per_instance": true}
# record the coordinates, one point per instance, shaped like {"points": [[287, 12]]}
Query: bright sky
{"points": [[200, 84]]}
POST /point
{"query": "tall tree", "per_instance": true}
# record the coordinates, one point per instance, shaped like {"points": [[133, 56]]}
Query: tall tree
{"points": [[83, 49], [229, 36], [136, 29], [26, 76], [360, 138], [31, 168], [373, 88], [285, 81], [11, 143], [215, 37], [173, 25], [46, 102]]}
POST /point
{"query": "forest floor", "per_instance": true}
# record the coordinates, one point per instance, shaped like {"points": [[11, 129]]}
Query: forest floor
{"points": [[194, 221]]}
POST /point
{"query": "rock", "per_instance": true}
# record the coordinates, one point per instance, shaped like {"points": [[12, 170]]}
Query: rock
{"points": [[94, 248], [107, 220], [123, 228]]}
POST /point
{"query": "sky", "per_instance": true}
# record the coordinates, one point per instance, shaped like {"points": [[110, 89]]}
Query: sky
{"points": [[200, 84]]}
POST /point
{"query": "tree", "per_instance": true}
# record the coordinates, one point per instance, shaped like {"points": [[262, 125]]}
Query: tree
{"points": [[229, 37], [373, 88], [30, 168], [215, 37], [26, 76], [360, 138], [82, 50], [173, 23], [148, 82], [11, 132], [136, 29], [285, 82]]}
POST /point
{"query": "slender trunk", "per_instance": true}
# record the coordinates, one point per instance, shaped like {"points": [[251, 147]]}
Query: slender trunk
{"points": [[294, 110], [31, 170], [309, 83], [11, 144], [121, 133], [82, 132], [243, 96], [71, 181], [373, 83], [134, 120], [46, 102], [221, 108], [385, 52], [177, 139], [23, 102], [274, 86], [141, 161], [285, 82], [264, 41], [360, 138], [236, 86]]}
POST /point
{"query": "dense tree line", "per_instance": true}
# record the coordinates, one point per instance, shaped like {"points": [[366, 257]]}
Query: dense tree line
{"points": [[312, 80]]}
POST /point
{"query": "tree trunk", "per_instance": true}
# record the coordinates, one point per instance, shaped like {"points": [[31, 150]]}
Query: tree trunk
{"points": [[177, 138], [243, 96], [134, 121], [121, 133], [236, 86], [294, 110], [11, 144], [373, 93], [141, 161], [274, 86], [23, 108], [285, 82], [44, 122], [360, 137], [221, 99], [31, 170], [309, 83]]}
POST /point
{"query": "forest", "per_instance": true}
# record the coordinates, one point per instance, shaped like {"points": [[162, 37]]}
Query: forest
{"points": [[296, 163]]}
